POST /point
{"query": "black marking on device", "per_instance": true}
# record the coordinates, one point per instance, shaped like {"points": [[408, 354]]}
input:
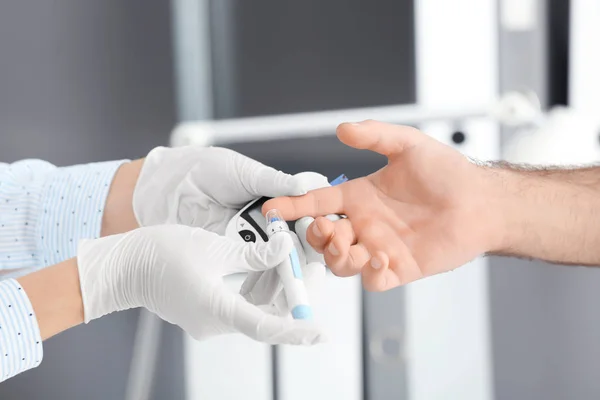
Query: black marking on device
{"points": [[251, 221]]}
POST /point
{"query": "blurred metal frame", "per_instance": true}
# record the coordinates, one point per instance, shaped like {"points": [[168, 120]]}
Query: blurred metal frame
{"points": [[303, 125]]}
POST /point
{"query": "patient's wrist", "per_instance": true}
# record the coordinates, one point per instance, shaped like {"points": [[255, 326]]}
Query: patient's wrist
{"points": [[508, 197], [509, 206], [547, 217]]}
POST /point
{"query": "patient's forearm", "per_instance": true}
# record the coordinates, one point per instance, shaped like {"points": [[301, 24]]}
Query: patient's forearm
{"points": [[552, 214], [583, 175], [55, 295]]}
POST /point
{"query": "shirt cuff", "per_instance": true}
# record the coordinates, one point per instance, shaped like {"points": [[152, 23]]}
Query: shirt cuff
{"points": [[72, 208], [20, 340]]}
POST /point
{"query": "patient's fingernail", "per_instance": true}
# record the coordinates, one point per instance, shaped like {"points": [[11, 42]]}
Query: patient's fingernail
{"points": [[316, 230], [375, 263], [333, 250]]}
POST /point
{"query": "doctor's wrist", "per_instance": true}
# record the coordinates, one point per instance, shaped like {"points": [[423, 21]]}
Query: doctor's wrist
{"points": [[118, 214], [55, 297]]}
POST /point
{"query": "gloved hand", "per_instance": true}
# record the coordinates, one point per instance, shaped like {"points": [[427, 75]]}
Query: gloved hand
{"points": [[177, 272], [204, 186]]}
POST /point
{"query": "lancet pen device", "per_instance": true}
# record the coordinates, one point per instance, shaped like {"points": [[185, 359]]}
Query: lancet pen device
{"points": [[290, 270]]}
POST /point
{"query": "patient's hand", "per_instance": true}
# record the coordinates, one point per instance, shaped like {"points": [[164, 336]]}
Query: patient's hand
{"points": [[430, 210]]}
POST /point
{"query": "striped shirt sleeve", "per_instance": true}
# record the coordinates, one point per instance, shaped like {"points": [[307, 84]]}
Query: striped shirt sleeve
{"points": [[45, 210], [20, 341], [72, 206]]}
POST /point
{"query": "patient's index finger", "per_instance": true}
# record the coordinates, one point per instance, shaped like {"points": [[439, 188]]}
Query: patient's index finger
{"points": [[329, 200]]}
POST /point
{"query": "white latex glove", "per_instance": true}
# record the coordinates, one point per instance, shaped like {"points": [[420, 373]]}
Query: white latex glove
{"points": [[204, 186], [177, 272], [265, 288]]}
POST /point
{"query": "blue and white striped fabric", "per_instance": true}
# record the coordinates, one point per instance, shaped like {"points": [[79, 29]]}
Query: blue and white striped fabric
{"points": [[44, 212], [21, 190], [20, 340]]}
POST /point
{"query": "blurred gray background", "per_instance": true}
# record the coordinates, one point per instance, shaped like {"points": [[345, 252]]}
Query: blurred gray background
{"points": [[85, 81], [91, 81]]}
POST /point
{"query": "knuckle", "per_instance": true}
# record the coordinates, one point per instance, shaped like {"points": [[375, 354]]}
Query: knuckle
{"points": [[352, 260], [316, 244], [403, 264], [342, 269], [339, 272], [336, 269], [324, 227]]}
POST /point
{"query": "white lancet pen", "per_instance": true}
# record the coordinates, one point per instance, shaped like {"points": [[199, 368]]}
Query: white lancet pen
{"points": [[290, 271]]}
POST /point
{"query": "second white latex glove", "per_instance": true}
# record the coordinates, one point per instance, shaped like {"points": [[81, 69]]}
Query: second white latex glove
{"points": [[177, 272], [204, 186]]}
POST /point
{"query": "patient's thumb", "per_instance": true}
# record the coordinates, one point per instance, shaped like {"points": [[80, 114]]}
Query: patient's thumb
{"points": [[383, 138]]}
